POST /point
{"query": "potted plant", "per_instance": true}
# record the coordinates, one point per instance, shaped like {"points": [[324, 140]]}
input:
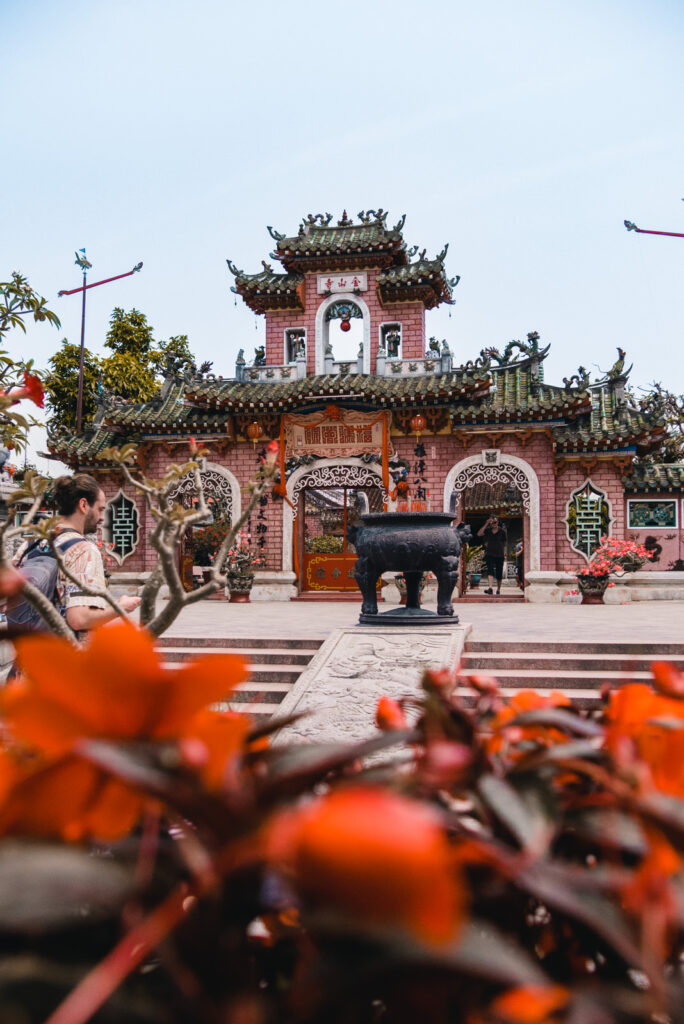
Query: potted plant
{"points": [[400, 583], [613, 557], [239, 568], [473, 557]]}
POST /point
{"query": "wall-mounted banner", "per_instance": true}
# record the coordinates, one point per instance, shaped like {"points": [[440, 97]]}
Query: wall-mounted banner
{"points": [[336, 432], [334, 284]]}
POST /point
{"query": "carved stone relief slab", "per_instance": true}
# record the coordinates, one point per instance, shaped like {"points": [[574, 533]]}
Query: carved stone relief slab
{"points": [[354, 668]]}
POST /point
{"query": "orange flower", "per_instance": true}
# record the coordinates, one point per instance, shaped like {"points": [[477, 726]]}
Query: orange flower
{"points": [[530, 1004], [115, 688], [652, 894], [504, 734], [632, 713], [390, 715], [375, 856], [668, 679], [69, 798], [214, 740]]}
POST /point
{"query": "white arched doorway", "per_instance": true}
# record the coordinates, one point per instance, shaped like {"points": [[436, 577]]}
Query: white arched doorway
{"points": [[334, 472], [222, 495], [322, 328], [220, 487], [492, 467]]}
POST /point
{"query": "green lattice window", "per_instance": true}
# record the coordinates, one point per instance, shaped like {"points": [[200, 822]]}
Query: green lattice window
{"points": [[121, 527], [587, 519]]}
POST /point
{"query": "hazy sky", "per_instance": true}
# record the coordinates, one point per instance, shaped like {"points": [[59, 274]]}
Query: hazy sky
{"points": [[523, 134]]}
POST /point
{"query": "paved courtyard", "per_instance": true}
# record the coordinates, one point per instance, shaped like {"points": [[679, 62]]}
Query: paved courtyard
{"points": [[652, 621]]}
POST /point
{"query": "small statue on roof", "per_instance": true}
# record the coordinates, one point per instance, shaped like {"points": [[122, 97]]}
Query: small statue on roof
{"points": [[433, 345], [618, 366], [259, 356], [267, 267], [345, 221], [579, 379]]}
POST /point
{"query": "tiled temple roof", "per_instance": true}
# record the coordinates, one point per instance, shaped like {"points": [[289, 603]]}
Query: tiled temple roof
{"points": [[519, 394], [611, 424], [322, 245], [232, 395], [167, 415], [425, 280], [657, 477], [83, 449], [268, 290], [586, 418]]}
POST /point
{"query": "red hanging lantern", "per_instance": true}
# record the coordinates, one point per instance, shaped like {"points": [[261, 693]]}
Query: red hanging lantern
{"points": [[345, 326], [254, 432], [417, 424]]}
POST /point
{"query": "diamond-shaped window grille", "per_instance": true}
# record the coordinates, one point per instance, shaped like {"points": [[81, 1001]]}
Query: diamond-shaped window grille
{"points": [[121, 528]]}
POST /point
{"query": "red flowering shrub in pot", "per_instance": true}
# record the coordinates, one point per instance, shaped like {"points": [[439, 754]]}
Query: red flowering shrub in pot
{"points": [[507, 859], [613, 557]]}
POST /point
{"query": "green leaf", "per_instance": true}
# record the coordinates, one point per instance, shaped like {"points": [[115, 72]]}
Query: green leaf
{"points": [[524, 810], [562, 889]]}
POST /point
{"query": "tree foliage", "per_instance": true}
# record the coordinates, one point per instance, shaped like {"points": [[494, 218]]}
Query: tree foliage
{"points": [[18, 302], [132, 371]]}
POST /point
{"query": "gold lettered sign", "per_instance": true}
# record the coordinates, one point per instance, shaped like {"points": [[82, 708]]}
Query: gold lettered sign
{"points": [[336, 432]]}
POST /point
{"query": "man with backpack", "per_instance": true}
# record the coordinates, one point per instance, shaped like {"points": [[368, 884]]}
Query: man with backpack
{"points": [[81, 503]]}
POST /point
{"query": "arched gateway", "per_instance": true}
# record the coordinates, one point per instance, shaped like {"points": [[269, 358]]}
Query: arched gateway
{"points": [[320, 500], [493, 467]]}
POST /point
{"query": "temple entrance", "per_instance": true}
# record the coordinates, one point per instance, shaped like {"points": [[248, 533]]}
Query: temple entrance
{"points": [[328, 557], [479, 502]]}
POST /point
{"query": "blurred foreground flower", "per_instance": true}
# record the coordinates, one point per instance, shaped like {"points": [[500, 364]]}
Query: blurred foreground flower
{"points": [[376, 857], [646, 725], [114, 689]]}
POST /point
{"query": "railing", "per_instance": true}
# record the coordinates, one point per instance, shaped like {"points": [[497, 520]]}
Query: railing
{"points": [[384, 368]]}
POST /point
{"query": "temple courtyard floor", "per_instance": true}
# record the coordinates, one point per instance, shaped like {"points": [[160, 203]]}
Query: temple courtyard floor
{"points": [[639, 622]]}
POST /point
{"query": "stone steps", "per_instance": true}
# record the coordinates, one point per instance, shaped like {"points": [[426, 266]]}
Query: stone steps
{"points": [[579, 670], [274, 664]]}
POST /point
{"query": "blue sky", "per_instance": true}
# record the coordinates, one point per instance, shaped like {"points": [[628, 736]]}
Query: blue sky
{"points": [[522, 134]]}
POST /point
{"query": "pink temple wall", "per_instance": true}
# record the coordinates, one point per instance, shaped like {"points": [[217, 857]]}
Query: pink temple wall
{"points": [[442, 453], [670, 540], [411, 315]]}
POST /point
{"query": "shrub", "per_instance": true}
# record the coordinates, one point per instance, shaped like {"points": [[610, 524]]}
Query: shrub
{"points": [[515, 860]]}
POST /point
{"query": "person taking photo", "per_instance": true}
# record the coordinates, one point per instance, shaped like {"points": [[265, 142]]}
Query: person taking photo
{"points": [[494, 535]]}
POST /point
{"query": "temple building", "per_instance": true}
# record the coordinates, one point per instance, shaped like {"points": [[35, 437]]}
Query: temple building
{"points": [[369, 412]]}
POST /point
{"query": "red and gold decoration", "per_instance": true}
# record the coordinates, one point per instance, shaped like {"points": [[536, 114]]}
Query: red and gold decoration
{"points": [[255, 432], [417, 424]]}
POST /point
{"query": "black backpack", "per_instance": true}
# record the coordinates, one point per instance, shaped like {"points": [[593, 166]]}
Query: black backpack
{"points": [[39, 567]]}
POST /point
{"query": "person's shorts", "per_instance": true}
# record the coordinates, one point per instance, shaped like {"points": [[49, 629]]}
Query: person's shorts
{"points": [[495, 566]]}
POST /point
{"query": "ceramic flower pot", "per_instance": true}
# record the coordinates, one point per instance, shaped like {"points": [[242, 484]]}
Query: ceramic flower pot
{"points": [[592, 588], [239, 587]]}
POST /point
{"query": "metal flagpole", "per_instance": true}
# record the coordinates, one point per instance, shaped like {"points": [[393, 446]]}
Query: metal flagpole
{"points": [[85, 266]]}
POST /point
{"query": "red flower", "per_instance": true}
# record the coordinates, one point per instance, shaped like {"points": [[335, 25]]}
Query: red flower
{"points": [[530, 1004], [32, 389], [114, 689], [375, 856], [390, 715]]}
